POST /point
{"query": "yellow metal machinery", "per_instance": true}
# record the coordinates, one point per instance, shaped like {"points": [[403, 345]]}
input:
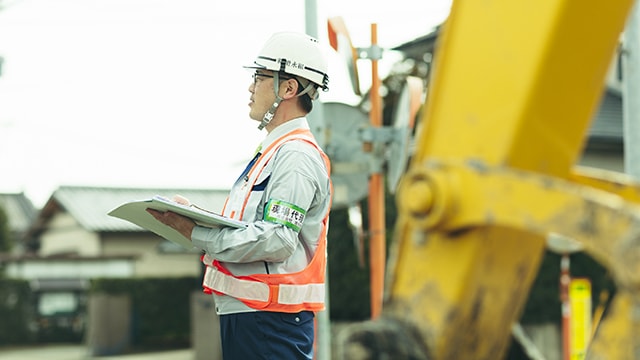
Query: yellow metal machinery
{"points": [[515, 86]]}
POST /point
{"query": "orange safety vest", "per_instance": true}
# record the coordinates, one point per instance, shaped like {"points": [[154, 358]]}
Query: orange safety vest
{"points": [[294, 292]]}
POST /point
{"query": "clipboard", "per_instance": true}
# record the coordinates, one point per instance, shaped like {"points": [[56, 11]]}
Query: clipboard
{"points": [[135, 212]]}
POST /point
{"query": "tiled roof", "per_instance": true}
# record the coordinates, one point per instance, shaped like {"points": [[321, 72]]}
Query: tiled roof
{"points": [[20, 211], [607, 123], [90, 205]]}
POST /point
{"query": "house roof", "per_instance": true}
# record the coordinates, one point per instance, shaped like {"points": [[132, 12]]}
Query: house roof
{"points": [[607, 124], [418, 47], [89, 205], [20, 211]]}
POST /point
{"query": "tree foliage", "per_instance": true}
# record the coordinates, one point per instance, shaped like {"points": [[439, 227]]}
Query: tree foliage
{"points": [[5, 234]]}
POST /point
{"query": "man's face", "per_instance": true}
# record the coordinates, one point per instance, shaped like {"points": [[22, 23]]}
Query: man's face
{"points": [[262, 95]]}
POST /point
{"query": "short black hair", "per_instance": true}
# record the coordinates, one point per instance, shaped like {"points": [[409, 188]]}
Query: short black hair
{"points": [[305, 100]]}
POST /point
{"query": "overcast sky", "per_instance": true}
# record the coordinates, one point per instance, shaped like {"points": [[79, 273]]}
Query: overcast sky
{"points": [[152, 93]]}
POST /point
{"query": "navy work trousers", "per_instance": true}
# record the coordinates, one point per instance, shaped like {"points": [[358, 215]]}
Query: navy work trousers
{"points": [[267, 335]]}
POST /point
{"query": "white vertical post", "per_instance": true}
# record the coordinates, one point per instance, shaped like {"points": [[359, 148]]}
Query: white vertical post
{"points": [[631, 93], [317, 124], [316, 117]]}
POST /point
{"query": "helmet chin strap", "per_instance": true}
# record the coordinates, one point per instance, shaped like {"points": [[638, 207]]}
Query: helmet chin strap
{"points": [[268, 116], [266, 119]]}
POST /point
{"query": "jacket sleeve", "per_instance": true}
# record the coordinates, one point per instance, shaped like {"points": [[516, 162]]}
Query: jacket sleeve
{"points": [[294, 180]]}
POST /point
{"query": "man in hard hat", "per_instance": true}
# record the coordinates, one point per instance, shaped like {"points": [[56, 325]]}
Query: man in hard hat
{"points": [[268, 278]]}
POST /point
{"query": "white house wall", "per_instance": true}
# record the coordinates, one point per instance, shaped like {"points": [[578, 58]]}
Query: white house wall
{"points": [[613, 80], [65, 235], [70, 269], [150, 261]]}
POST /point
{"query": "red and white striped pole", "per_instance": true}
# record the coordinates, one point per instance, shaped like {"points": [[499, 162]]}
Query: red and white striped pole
{"points": [[565, 281]]}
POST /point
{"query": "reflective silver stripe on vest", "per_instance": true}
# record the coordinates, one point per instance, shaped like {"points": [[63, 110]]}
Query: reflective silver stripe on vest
{"points": [[253, 290], [298, 294], [245, 289]]}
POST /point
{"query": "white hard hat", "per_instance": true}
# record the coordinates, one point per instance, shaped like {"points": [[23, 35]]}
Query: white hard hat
{"points": [[296, 54]]}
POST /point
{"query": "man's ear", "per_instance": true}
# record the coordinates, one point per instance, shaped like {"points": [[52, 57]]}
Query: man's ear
{"points": [[290, 88]]}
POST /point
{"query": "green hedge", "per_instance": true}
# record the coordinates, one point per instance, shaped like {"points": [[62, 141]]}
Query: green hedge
{"points": [[348, 282], [160, 308], [6, 242], [16, 312]]}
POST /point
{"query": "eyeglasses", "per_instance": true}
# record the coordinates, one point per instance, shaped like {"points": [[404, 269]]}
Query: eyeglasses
{"points": [[256, 75], [281, 77]]}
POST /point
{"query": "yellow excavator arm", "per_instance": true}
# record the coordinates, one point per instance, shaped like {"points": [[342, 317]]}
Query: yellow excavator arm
{"points": [[494, 174]]}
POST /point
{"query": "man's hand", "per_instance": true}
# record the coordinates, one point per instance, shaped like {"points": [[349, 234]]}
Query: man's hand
{"points": [[180, 223]]}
